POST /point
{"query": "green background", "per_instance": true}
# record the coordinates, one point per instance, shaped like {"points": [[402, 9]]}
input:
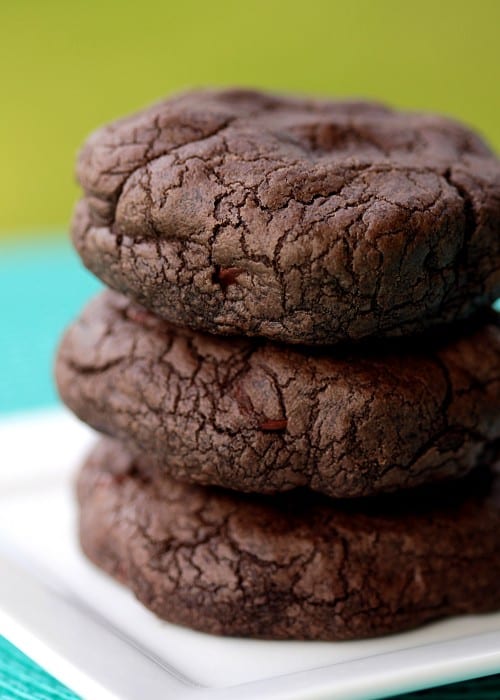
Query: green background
{"points": [[66, 67]]}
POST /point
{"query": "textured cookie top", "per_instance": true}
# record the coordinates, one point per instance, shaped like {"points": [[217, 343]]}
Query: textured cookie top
{"points": [[303, 220], [255, 416], [296, 566]]}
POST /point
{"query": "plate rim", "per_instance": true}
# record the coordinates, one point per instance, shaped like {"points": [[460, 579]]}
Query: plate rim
{"points": [[414, 668]]}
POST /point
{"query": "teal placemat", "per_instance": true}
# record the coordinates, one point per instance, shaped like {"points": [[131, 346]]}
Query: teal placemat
{"points": [[42, 287], [22, 679]]}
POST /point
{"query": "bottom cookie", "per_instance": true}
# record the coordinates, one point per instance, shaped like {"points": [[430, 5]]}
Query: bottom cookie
{"points": [[293, 566]]}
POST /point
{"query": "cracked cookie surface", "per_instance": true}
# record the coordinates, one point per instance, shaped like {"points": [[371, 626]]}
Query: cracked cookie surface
{"points": [[292, 566], [251, 415], [304, 221]]}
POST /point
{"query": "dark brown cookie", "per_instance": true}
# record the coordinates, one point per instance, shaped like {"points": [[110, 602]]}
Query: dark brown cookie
{"points": [[291, 567], [238, 212], [254, 416]]}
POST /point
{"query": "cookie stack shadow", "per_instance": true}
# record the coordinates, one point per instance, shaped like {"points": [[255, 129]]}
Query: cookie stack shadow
{"points": [[297, 366]]}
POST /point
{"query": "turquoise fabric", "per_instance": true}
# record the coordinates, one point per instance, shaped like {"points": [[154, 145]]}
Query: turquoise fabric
{"points": [[22, 679], [42, 287]]}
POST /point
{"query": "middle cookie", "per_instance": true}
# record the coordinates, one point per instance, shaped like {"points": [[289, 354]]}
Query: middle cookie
{"points": [[254, 416]]}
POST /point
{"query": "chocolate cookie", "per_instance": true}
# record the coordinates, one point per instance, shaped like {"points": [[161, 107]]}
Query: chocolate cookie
{"points": [[254, 416], [292, 567], [305, 221]]}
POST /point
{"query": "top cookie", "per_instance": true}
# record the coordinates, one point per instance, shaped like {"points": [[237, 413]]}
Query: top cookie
{"points": [[305, 221]]}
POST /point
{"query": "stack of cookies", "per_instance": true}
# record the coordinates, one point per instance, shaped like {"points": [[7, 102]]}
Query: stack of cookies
{"points": [[298, 368]]}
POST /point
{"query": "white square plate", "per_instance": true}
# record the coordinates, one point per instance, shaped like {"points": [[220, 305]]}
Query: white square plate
{"points": [[92, 634]]}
